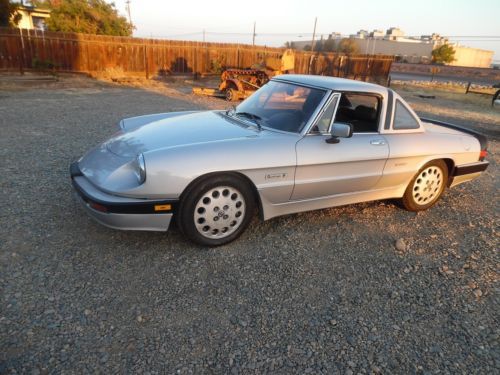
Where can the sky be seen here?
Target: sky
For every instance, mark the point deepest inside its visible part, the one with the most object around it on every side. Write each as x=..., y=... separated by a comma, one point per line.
x=468, y=22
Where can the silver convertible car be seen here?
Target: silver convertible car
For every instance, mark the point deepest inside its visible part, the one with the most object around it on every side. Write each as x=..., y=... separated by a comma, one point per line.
x=299, y=143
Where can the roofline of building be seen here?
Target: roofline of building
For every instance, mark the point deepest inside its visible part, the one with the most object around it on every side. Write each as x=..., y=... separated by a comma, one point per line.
x=34, y=9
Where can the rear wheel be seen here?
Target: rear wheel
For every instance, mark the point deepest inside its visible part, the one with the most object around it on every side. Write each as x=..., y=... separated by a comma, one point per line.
x=230, y=94
x=426, y=187
x=217, y=210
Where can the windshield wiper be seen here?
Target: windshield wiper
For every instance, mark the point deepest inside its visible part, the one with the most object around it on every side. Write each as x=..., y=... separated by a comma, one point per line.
x=256, y=119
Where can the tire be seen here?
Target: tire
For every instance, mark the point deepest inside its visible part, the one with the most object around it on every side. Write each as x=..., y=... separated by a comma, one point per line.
x=216, y=210
x=496, y=97
x=426, y=187
x=230, y=94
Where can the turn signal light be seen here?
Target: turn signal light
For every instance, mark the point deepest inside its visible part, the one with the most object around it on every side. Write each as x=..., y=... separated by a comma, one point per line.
x=98, y=207
x=483, y=154
x=163, y=207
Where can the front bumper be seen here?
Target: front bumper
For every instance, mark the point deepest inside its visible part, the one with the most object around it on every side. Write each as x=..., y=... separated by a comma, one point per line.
x=120, y=212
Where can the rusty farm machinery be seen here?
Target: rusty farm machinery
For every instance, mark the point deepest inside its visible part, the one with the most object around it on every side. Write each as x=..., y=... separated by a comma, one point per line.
x=236, y=84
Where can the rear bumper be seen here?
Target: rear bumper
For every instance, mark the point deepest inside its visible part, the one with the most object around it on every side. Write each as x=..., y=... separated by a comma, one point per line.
x=120, y=212
x=466, y=172
x=464, y=169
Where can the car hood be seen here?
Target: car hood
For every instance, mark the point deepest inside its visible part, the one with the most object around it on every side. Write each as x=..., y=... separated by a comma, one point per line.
x=190, y=128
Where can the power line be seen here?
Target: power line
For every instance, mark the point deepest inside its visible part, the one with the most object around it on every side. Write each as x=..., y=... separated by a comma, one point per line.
x=476, y=40
x=181, y=35
x=298, y=34
x=472, y=36
x=304, y=36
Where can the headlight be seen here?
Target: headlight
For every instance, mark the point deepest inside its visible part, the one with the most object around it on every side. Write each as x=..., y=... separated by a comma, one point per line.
x=140, y=168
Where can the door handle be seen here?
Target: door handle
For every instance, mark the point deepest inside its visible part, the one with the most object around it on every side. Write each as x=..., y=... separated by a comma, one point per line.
x=377, y=142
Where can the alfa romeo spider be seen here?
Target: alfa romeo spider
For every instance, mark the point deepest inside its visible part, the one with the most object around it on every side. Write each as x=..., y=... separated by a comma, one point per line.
x=299, y=143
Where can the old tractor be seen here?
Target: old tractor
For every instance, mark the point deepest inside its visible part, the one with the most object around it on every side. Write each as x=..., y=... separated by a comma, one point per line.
x=239, y=84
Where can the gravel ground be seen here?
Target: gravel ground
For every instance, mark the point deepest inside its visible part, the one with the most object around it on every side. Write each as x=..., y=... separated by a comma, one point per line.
x=366, y=288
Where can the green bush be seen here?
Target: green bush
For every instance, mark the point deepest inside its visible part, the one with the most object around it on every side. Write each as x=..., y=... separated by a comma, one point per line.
x=45, y=66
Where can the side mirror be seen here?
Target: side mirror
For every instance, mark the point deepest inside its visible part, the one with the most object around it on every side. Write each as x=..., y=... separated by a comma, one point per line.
x=340, y=130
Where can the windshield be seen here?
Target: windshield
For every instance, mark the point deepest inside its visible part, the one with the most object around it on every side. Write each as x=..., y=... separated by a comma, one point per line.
x=282, y=106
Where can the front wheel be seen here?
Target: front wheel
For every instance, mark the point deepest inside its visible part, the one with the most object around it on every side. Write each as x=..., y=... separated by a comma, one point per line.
x=426, y=187
x=217, y=210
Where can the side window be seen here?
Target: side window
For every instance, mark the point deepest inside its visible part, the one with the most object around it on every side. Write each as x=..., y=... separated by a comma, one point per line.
x=323, y=123
x=359, y=110
x=403, y=119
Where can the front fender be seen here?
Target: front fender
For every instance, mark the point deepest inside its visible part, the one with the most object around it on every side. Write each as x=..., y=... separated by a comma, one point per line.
x=169, y=171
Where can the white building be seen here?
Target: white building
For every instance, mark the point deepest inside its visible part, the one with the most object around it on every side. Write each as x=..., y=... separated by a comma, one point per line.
x=409, y=48
x=377, y=34
x=394, y=33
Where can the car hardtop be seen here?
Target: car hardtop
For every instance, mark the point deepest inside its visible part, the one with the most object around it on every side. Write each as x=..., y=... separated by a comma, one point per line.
x=332, y=83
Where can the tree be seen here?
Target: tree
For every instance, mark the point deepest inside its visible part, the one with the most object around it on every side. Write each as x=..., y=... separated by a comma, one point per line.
x=329, y=45
x=347, y=45
x=307, y=47
x=318, y=47
x=85, y=16
x=8, y=13
x=444, y=54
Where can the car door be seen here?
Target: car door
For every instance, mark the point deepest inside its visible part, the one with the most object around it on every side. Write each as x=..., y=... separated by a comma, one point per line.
x=352, y=165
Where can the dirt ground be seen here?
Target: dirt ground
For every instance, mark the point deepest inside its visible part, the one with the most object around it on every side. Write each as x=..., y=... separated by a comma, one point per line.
x=367, y=288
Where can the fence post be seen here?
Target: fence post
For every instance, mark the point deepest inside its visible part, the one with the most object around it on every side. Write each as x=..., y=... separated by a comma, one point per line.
x=88, y=56
x=238, y=57
x=339, y=65
x=311, y=60
x=208, y=68
x=146, y=61
x=23, y=57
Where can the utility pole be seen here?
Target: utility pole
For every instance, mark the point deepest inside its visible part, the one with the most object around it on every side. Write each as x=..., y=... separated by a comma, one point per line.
x=253, y=38
x=314, y=34
x=128, y=11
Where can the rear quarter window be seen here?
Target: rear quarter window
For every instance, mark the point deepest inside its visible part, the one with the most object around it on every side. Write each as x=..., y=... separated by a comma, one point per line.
x=403, y=118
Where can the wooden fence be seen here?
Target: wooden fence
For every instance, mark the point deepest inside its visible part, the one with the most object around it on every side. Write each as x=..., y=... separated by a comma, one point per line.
x=70, y=52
